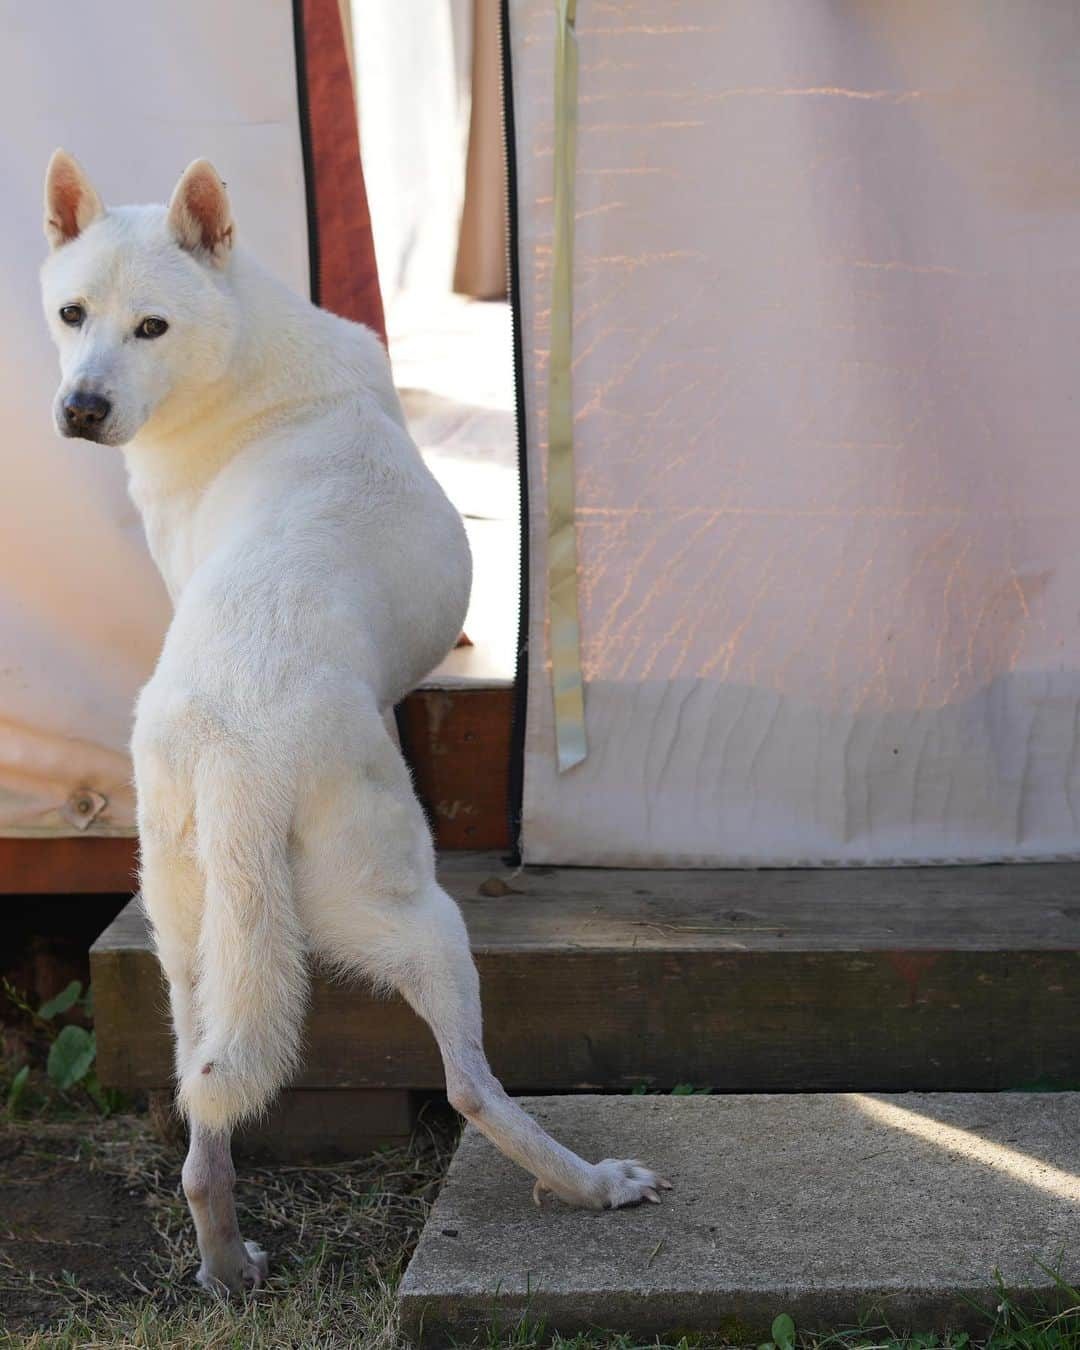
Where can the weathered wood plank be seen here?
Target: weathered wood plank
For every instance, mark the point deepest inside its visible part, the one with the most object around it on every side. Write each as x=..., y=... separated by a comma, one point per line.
x=317, y=1126
x=1033, y=907
x=457, y=742
x=69, y=866
x=873, y=980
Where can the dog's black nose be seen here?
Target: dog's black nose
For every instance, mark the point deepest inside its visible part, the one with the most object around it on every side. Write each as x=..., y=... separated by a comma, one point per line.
x=85, y=412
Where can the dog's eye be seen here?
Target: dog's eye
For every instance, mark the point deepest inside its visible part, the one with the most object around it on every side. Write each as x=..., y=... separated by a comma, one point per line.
x=73, y=315
x=151, y=327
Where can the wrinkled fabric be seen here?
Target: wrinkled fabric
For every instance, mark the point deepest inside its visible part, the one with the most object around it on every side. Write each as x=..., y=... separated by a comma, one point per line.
x=136, y=90
x=826, y=342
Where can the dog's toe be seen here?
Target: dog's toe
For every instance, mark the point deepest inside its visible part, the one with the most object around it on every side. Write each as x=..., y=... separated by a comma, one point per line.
x=238, y=1270
x=626, y=1181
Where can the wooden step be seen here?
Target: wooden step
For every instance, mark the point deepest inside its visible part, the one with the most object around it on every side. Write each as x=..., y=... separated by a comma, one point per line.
x=965, y=979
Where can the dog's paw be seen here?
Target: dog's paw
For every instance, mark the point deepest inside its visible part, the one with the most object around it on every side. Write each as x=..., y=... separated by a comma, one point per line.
x=239, y=1271
x=613, y=1183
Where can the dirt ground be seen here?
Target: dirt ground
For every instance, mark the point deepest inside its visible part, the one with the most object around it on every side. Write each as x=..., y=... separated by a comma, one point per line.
x=96, y=1247
x=64, y=1223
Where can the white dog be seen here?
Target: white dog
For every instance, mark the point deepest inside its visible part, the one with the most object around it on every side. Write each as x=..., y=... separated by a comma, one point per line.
x=317, y=573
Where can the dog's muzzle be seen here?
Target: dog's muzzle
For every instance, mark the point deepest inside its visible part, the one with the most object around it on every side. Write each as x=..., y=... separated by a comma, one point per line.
x=85, y=414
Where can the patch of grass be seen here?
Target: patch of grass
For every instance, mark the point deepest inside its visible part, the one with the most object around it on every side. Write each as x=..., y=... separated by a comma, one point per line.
x=339, y=1237
x=1008, y=1326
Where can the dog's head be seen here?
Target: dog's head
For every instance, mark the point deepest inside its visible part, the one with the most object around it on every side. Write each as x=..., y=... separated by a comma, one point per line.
x=137, y=299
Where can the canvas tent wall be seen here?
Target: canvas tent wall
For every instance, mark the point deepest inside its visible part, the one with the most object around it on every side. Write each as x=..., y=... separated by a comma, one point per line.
x=137, y=89
x=826, y=335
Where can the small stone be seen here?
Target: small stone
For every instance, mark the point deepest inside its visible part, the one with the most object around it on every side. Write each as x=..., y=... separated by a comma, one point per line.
x=496, y=887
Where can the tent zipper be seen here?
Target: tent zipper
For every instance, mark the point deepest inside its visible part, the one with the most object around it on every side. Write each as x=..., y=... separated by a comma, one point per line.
x=310, y=199
x=516, y=779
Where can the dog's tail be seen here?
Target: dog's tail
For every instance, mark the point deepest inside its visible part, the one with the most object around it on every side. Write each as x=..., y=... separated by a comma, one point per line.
x=251, y=976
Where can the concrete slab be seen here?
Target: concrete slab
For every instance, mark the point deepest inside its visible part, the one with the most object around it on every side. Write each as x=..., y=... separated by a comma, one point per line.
x=835, y=1208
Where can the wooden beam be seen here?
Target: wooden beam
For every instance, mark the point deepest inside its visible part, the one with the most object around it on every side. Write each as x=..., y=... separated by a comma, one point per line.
x=319, y=1126
x=68, y=866
x=457, y=743
x=882, y=979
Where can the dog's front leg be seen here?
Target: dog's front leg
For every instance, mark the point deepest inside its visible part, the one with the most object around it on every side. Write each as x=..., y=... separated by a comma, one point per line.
x=229, y=1264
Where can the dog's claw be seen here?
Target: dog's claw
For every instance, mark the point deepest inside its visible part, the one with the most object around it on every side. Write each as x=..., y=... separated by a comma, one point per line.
x=539, y=1191
x=664, y=1184
x=651, y=1196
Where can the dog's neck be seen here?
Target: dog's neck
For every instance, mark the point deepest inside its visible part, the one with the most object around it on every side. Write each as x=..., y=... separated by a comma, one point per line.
x=288, y=359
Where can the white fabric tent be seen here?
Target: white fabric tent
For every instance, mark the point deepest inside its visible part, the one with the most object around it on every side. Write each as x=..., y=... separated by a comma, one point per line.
x=825, y=335
x=136, y=89
x=826, y=352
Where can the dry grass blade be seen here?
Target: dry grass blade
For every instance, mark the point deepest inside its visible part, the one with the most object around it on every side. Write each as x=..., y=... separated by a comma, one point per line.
x=339, y=1237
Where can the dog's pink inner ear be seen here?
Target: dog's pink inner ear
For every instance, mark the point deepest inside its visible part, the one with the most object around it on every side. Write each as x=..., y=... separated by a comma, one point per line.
x=199, y=213
x=71, y=204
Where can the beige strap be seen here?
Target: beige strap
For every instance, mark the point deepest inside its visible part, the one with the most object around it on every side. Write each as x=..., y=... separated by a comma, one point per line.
x=570, y=739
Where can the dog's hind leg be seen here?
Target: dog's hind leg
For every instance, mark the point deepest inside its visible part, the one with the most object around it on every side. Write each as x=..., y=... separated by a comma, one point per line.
x=417, y=943
x=229, y=1264
x=436, y=974
x=366, y=888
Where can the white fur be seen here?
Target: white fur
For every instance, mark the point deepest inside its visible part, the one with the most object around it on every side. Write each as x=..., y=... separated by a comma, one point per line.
x=317, y=572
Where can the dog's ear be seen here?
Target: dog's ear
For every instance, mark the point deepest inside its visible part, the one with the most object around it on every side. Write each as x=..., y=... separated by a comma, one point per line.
x=71, y=204
x=199, y=213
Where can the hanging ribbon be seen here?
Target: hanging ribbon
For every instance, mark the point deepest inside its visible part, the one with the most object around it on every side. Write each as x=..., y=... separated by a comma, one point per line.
x=570, y=739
